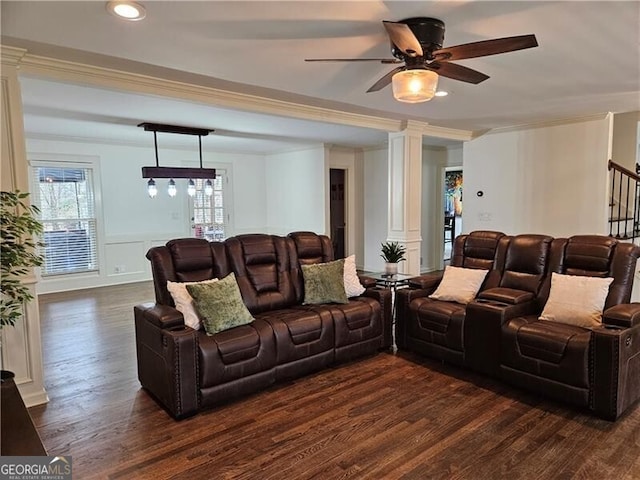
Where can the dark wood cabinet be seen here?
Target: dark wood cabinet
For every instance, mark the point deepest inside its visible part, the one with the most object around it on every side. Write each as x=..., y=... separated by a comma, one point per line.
x=18, y=435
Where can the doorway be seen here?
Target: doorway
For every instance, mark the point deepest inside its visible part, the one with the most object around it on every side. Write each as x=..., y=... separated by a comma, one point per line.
x=337, y=210
x=453, y=183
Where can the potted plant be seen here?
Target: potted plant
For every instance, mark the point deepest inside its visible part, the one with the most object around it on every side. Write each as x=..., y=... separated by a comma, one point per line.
x=18, y=254
x=392, y=253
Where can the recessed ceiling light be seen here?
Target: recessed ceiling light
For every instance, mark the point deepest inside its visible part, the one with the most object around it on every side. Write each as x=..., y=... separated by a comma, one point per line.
x=441, y=93
x=131, y=11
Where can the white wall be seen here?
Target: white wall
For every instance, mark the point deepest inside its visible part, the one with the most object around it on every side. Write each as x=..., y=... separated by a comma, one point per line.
x=296, y=186
x=131, y=222
x=551, y=180
x=433, y=163
x=625, y=139
x=376, y=206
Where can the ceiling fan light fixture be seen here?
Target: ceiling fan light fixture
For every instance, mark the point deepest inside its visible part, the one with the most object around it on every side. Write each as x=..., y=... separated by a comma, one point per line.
x=414, y=86
x=126, y=10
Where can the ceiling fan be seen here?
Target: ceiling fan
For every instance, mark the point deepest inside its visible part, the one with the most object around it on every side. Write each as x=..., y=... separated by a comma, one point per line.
x=417, y=43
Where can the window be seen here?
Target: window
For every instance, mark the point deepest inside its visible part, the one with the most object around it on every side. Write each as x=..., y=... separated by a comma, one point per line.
x=208, y=211
x=65, y=196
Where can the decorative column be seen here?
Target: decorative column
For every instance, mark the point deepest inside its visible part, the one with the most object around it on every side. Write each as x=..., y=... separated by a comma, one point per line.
x=21, y=344
x=405, y=186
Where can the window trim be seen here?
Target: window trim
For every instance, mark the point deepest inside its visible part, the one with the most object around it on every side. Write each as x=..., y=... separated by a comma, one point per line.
x=91, y=162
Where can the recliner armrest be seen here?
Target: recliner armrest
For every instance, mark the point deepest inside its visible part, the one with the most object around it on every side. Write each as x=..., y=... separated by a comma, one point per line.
x=625, y=315
x=367, y=282
x=167, y=358
x=426, y=282
x=162, y=316
x=383, y=295
x=505, y=295
x=615, y=369
x=482, y=331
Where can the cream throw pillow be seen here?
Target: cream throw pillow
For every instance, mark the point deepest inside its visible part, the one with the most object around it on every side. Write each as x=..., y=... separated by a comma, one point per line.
x=460, y=285
x=576, y=300
x=352, y=284
x=184, y=302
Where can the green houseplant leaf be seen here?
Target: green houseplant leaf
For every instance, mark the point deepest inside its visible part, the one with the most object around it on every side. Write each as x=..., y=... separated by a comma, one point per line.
x=393, y=252
x=18, y=252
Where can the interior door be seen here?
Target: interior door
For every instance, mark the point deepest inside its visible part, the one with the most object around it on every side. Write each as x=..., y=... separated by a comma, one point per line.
x=337, y=210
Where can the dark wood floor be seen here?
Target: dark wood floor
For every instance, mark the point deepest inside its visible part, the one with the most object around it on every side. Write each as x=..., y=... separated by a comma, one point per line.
x=390, y=416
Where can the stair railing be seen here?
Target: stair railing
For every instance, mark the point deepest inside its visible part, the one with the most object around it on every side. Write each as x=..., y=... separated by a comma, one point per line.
x=624, y=203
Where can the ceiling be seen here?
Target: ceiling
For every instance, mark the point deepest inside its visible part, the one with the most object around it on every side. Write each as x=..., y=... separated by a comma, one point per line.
x=588, y=62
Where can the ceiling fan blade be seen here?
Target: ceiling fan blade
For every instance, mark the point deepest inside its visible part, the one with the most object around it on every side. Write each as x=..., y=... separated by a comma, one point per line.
x=386, y=80
x=381, y=60
x=486, y=47
x=457, y=72
x=403, y=38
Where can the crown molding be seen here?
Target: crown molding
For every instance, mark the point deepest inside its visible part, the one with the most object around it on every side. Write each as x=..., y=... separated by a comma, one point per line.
x=75, y=72
x=11, y=55
x=51, y=137
x=551, y=123
x=448, y=133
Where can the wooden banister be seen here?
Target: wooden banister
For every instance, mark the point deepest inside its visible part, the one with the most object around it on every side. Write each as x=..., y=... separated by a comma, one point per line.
x=624, y=213
x=615, y=166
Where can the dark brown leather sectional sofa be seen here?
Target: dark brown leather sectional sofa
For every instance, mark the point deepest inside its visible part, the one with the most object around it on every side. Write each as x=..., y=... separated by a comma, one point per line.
x=187, y=370
x=499, y=332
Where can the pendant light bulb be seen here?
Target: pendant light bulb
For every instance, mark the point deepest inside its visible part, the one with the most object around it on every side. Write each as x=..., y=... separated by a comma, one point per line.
x=208, y=188
x=171, y=189
x=191, y=188
x=152, y=190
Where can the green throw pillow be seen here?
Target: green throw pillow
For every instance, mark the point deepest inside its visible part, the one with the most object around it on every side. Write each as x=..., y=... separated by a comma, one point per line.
x=220, y=304
x=324, y=283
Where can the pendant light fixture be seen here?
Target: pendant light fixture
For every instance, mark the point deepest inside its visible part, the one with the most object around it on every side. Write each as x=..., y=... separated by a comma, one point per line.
x=171, y=173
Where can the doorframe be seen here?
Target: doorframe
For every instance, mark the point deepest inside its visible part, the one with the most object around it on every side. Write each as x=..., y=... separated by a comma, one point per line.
x=349, y=167
x=440, y=213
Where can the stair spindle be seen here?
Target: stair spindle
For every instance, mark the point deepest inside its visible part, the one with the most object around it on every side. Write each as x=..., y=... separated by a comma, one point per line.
x=619, y=203
x=611, y=204
x=626, y=210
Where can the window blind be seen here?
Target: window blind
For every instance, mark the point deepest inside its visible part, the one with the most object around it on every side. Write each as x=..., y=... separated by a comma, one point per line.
x=65, y=196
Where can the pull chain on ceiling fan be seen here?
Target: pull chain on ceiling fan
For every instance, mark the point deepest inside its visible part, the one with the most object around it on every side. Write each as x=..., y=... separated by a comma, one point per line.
x=417, y=43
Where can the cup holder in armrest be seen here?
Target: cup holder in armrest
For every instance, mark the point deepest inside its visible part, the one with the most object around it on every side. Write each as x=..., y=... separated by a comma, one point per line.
x=613, y=327
x=487, y=301
x=178, y=328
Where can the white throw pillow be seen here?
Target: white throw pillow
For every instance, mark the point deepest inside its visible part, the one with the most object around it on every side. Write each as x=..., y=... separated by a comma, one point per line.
x=184, y=302
x=576, y=300
x=352, y=284
x=460, y=285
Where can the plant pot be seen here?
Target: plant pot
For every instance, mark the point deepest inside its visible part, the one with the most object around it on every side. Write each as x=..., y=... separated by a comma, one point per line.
x=390, y=268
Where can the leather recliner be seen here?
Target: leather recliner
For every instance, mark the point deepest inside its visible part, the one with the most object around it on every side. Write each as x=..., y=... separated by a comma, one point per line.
x=187, y=370
x=518, y=292
x=596, y=368
x=434, y=327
